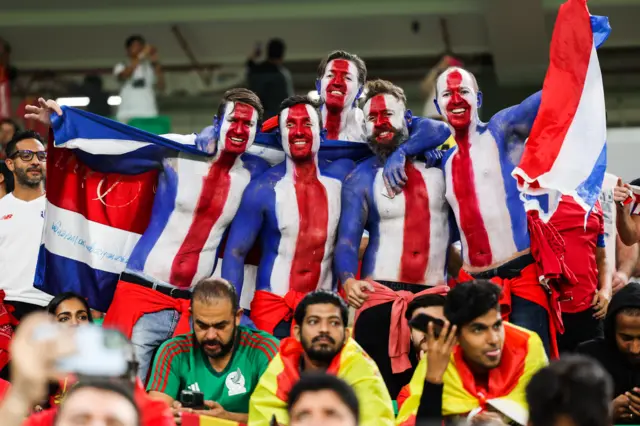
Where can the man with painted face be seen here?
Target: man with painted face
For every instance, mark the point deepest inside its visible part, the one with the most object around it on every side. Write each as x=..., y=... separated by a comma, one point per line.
x=485, y=200
x=195, y=201
x=294, y=207
x=341, y=77
x=408, y=237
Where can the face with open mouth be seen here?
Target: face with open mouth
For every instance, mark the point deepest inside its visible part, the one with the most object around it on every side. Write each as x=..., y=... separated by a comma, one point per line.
x=339, y=84
x=300, y=130
x=458, y=97
x=238, y=128
x=384, y=116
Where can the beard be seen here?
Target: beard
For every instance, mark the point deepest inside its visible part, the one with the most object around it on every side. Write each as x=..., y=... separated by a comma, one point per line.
x=384, y=150
x=223, y=348
x=23, y=178
x=323, y=353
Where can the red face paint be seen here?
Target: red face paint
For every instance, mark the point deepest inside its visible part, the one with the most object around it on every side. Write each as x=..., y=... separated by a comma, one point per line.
x=462, y=117
x=382, y=128
x=237, y=134
x=335, y=102
x=417, y=216
x=300, y=129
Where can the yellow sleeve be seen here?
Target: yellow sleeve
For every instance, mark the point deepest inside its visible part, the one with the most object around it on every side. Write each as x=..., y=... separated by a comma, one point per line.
x=264, y=403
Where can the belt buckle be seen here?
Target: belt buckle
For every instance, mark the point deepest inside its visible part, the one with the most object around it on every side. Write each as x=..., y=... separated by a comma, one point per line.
x=171, y=291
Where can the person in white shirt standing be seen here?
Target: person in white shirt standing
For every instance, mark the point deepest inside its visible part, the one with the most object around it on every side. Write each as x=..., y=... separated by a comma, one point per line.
x=21, y=222
x=140, y=76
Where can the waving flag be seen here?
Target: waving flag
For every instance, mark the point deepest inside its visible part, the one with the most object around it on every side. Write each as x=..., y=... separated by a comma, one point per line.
x=566, y=151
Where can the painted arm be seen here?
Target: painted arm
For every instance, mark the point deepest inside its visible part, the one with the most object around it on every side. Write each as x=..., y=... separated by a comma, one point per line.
x=245, y=229
x=518, y=119
x=352, y=221
x=424, y=135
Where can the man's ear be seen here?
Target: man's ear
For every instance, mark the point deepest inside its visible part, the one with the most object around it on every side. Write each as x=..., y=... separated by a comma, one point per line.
x=296, y=332
x=216, y=127
x=10, y=165
x=479, y=99
x=408, y=117
x=360, y=90
x=239, y=316
x=318, y=86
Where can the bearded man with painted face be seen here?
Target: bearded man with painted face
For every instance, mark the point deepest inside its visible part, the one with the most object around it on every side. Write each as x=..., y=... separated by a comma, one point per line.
x=294, y=207
x=195, y=200
x=408, y=237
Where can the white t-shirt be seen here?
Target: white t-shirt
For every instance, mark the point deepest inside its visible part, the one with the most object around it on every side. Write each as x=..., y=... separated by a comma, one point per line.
x=21, y=225
x=137, y=93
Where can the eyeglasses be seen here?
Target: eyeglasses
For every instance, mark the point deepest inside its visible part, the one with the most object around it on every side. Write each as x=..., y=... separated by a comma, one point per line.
x=27, y=155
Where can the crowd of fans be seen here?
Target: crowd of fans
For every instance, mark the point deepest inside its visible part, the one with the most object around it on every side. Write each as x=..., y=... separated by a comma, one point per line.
x=465, y=363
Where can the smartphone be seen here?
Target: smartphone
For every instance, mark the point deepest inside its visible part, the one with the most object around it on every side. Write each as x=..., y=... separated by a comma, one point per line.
x=421, y=323
x=192, y=399
x=99, y=352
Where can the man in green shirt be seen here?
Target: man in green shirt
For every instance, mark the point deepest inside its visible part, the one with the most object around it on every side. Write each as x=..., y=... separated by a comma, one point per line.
x=220, y=358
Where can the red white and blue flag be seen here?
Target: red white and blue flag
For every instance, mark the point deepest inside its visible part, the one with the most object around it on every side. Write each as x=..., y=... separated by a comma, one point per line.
x=566, y=152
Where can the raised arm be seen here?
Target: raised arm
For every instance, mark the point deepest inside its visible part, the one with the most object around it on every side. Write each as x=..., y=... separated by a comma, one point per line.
x=352, y=221
x=244, y=231
x=424, y=135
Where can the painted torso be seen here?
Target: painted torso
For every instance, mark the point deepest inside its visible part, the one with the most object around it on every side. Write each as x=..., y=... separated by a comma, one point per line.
x=346, y=126
x=408, y=234
x=484, y=197
x=195, y=201
x=299, y=229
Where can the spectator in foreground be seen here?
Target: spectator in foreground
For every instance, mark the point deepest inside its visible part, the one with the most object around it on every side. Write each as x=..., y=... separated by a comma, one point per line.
x=321, y=344
x=482, y=375
x=586, y=257
x=21, y=222
x=140, y=76
x=221, y=358
x=573, y=391
x=270, y=80
x=322, y=399
x=619, y=352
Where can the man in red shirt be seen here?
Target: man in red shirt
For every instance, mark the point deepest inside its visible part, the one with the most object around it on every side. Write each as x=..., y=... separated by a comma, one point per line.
x=584, y=305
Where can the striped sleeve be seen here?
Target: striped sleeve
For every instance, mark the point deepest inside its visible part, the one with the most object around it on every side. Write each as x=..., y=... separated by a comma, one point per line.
x=165, y=373
x=263, y=345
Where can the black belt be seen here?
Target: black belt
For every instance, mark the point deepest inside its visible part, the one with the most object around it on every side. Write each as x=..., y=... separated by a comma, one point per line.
x=176, y=293
x=398, y=286
x=511, y=269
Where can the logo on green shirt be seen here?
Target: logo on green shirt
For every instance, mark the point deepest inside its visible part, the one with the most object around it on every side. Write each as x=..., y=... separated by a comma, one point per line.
x=235, y=383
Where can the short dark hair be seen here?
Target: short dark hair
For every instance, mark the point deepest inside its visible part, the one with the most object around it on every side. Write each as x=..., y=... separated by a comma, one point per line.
x=215, y=288
x=9, y=183
x=107, y=385
x=630, y=311
x=475, y=82
x=16, y=128
x=576, y=387
x=341, y=54
x=11, y=148
x=244, y=96
x=424, y=302
x=315, y=382
x=301, y=99
x=58, y=299
x=470, y=300
x=321, y=297
x=383, y=87
x=132, y=39
x=276, y=48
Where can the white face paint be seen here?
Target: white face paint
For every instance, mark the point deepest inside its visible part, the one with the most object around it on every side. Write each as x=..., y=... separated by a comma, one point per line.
x=458, y=97
x=238, y=128
x=300, y=130
x=384, y=117
x=339, y=85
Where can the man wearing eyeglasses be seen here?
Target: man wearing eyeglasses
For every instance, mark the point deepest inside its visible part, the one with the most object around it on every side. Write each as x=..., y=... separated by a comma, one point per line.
x=21, y=222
